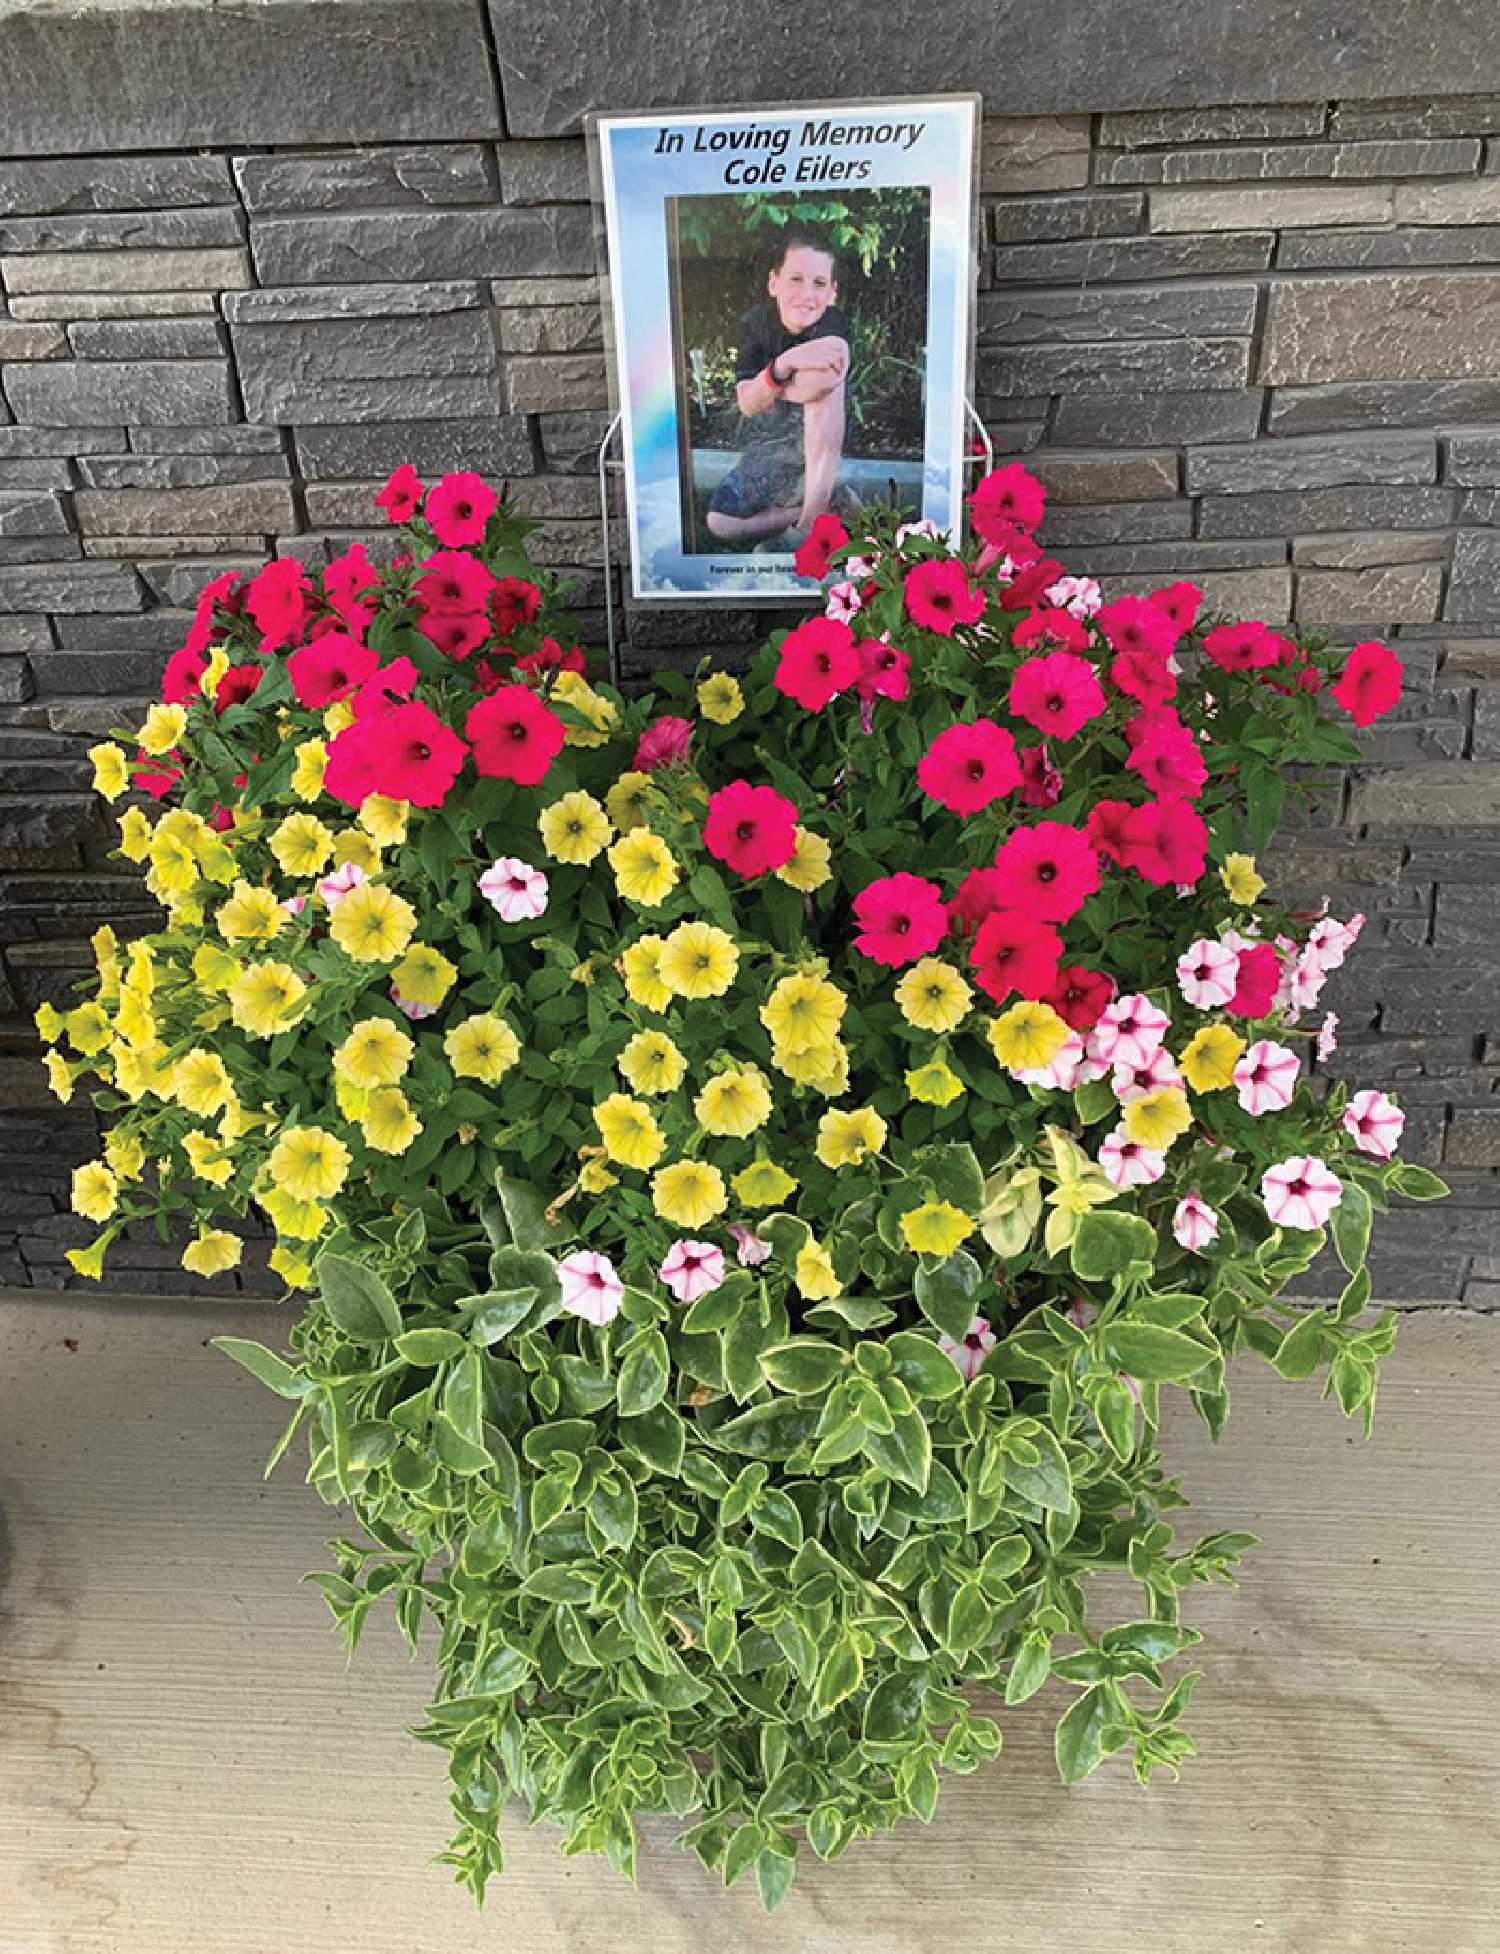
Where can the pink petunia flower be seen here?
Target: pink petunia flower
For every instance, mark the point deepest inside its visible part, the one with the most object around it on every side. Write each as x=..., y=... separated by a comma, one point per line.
x=1130, y=1031
x=1208, y=973
x=826, y=535
x=1135, y=1081
x=939, y=596
x=1265, y=1077
x=692, y=1269
x=1080, y=995
x=1331, y=941
x=1049, y=870
x=1300, y=1192
x=1058, y=694
x=515, y=890
x=1007, y=497
x=333, y=888
x=1135, y=627
x=970, y=1351
x=591, y=1286
x=1194, y=1222
x=844, y=601
x=969, y=765
x=901, y=918
x=1375, y=1123
x=459, y=508
x=924, y=526
x=515, y=736
x=1065, y=1071
x=1124, y=1163
x=1259, y=977
x=411, y=1007
x=664, y=743
x=1041, y=783
x=1328, y=1040
x=1080, y=595
x=750, y=1249
x=884, y=671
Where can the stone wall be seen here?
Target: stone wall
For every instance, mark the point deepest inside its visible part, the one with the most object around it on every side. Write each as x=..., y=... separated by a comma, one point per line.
x=1257, y=345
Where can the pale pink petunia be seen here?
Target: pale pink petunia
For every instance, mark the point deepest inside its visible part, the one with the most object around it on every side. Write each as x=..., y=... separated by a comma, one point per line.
x=410, y=1006
x=1065, y=1070
x=515, y=890
x=1125, y=1164
x=1266, y=1077
x=1331, y=941
x=1129, y=1031
x=1328, y=1037
x=1080, y=595
x=692, y=1269
x=591, y=1286
x=294, y=905
x=1300, y=1192
x=333, y=888
x=925, y=526
x=1135, y=1081
x=1194, y=1222
x=857, y=568
x=1375, y=1123
x=972, y=1349
x=843, y=601
x=1208, y=973
x=1303, y=982
x=750, y=1249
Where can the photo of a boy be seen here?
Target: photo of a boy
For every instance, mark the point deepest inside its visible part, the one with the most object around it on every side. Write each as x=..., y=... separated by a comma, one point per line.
x=791, y=369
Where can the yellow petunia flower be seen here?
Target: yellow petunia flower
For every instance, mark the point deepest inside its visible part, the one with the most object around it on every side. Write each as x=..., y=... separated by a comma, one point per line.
x=89, y=1029
x=389, y=1124
x=251, y=915
x=135, y=835
x=301, y=845
x=734, y=1104
x=630, y=1134
x=1210, y=1056
x=295, y=1270
x=111, y=773
x=574, y=828
x=59, y=1076
x=307, y=774
x=214, y=968
x=652, y=1063
x=572, y=689
x=845, y=1138
x=1027, y=1036
x=1158, y=1119
x=645, y=870
x=763, y=1184
x=308, y=1163
x=815, y=1274
x=934, y=1084
x=424, y=975
x=125, y=1154
x=1241, y=880
x=720, y=698
x=208, y=1159
x=641, y=968
x=349, y=845
x=213, y=671
x=267, y=997
x=200, y=1083
x=689, y=1193
x=810, y=864
x=803, y=1014
x=699, y=960
x=383, y=819
x=143, y=1068
x=95, y=1191
x=212, y=1252
x=933, y=996
x=162, y=728
x=372, y=924
x=482, y=1047
x=304, y=1221
x=337, y=718
x=825, y=1067
x=106, y=948
x=935, y=1228
x=375, y=1053
x=174, y=864
x=89, y=1261
x=628, y=801
x=49, y=1021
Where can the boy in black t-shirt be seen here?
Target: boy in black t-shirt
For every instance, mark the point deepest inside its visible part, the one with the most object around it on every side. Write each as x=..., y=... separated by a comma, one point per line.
x=793, y=360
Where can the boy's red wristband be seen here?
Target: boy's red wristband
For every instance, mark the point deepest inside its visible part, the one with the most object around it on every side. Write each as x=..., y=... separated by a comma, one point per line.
x=776, y=386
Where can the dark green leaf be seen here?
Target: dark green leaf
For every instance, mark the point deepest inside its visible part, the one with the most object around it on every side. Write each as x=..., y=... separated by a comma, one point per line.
x=804, y=1366
x=842, y=1673
x=496, y=1313
x=948, y=1295
x=614, y=1509
x=905, y=1452
x=1048, y=1482
x=770, y=1431
x=658, y=1437
x=1079, y=1738
x=525, y=1213
x=1107, y=1243
x=893, y=1710
x=924, y=1369
x=1301, y=1349
x=1418, y=1184
x=1350, y=1226
x=643, y=1374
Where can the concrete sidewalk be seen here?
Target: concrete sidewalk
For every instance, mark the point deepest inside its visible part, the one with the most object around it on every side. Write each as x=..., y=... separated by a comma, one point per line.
x=186, y=1763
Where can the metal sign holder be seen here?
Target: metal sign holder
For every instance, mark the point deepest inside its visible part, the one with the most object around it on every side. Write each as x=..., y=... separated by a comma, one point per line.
x=984, y=450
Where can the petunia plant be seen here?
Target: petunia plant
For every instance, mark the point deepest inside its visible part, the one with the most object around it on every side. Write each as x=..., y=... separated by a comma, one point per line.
x=754, y=1155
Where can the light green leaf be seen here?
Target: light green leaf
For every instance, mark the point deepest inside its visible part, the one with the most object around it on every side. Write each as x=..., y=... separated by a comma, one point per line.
x=428, y=1348
x=924, y=1369
x=1106, y=1243
x=643, y=1374
x=1301, y=1349
x=1079, y=1737
x=1350, y=1227
x=524, y=1207
x=805, y=1366
x=273, y=1371
x=948, y=1295
x=842, y=1673
x=358, y=1300
x=1145, y=1351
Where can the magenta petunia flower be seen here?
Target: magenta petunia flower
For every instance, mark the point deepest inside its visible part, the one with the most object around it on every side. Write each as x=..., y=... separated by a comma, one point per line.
x=752, y=829
x=939, y=596
x=1015, y=952
x=402, y=495
x=1370, y=683
x=901, y=918
x=1058, y=694
x=969, y=765
x=515, y=736
x=664, y=743
x=818, y=660
x=1049, y=870
x=459, y=508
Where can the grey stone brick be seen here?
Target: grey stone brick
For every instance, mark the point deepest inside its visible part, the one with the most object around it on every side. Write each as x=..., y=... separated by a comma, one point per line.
x=1114, y=260
x=42, y=474
x=1293, y=511
x=71, y=588
x=145, y=339
x=125, y=271
x=1473, y=459
x=1166, y=562
x=1487, y=723
x=1473, y=658
x=1457, y=116
x=293, y=304
x=1479, y=506
x=92, y=392
x=1280, y=207
x=16, y=687
x=1117, y=477
x=1476, y=202
x=1426, y=326
x=547, y=172
x=550, y=381
x=570, y=441
x=1140, y=128
x=112, y=183
x=39, y=549
x=509, y=294
x=1460, y=795
x=1383, y=403
x=359, y=247
x=178, y=471
x=1264, y=594
x=495, y=445
x=1117, y=522
x=1370, y=550
x=551, y=329
x=1246, y=162
x=1132, y=365
x=1103, y=213
x=31, y=342
x=1384, y=594
x=1134, y=312
x=1311, y=464
x=417, y=174
x=20, y=634
x=360, y=369
x=118, y=230
x=133, y=548
x=1149, y=420
x=236, y=440
x=32, y=515
x=67, y=674
x=1467, y=914
x=1478, y=244
x=116, y=305
x=343, y=505
x=1033, y=152
x=44, y=830
x=1473, y=1137
x=1474, y=589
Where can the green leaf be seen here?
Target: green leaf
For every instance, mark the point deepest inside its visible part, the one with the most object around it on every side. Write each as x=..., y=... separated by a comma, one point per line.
x=573, y=1435
x=1094, y=1101
x=524, y=1207
x=358, y=1300
x=1301, y=1349
x=1105, y=1244
x=774, y=1872
x=643, y=1374
x=1417, y=1184
x=496, y=1313
x=456, y=1452
x=528, y=1268
x=905, y=1452
x=1049, y=1482
x=1167, y=1312
x=273, y=1371
x=954, y=1173
x=560, y=1582
x=770, y=1431
x=893, y=1709
x=922, y=1367
x=948, y=1295
x=463, y=1398
x=842, y=1673
x=774, y=1513
x=1146, y=1351
x=1079, y=1740
x=501, y=1673
x=1350, y=1226
x=805, y=1366
x=426, y=1349
x=615, y=1510
x=1030, y=1668
x=657, y=1436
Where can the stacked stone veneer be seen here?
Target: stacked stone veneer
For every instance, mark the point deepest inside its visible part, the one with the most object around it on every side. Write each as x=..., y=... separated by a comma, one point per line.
x=1259, y=347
